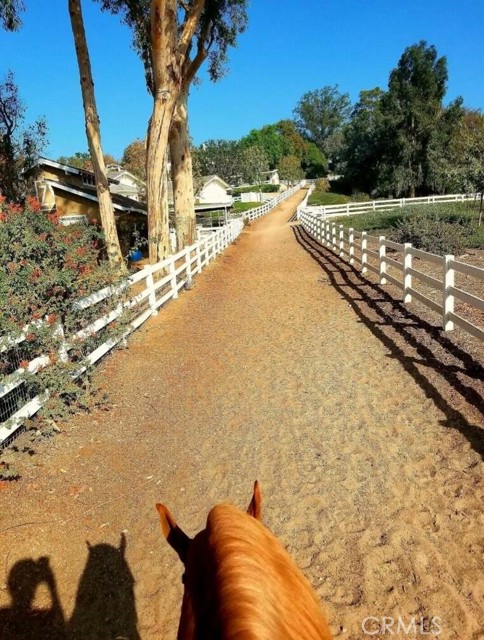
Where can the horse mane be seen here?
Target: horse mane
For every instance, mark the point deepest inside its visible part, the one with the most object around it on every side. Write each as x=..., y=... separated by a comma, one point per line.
x=261, y=593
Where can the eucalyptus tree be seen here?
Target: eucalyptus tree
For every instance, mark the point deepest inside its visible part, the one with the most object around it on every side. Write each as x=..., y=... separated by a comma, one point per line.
x=10, y=12
x=93, y=133
x=20, y=145
x=173, y=39
x=320, y=116
x=412, y=107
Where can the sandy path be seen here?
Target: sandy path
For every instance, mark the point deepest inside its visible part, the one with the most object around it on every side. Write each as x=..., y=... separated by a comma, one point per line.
x=280, y=367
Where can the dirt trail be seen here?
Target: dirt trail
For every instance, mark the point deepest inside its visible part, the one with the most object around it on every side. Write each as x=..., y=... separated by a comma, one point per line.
x=281, y=365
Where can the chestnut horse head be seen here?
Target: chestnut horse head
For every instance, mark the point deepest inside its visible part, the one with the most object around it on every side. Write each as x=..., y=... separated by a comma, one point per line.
x=240, y=582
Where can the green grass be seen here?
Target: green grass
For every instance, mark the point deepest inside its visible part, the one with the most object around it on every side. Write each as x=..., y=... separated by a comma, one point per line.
x=240, y=207
x=325, y=198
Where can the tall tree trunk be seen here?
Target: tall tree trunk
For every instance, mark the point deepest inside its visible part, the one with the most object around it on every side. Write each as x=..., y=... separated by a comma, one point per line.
x=182, y=176
x=94, y=135
x=156, y=169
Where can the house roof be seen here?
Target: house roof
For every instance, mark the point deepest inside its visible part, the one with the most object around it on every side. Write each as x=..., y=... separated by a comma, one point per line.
x=68, y=169
x=207, y=179
x=117, y=173
x=120, y=203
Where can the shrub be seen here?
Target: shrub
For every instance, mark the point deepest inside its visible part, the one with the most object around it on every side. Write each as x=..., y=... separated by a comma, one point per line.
x=265, y=188
x=322, y=184
x=425, y=230
x=47, y=267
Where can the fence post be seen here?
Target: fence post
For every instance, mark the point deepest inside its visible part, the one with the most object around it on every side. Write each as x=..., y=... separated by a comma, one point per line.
x=188, y=266
x=62, y=350
x=333, y=236
x=321, y=230
x=351, y=241
x=364, y=254
x=407, y=276
x=172, y=270
x=150, y=285
x=449, y=281
x=383, y=259
x=341, y=240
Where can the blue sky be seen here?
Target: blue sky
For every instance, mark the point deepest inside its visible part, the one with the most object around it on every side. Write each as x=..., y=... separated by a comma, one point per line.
x=289, y=48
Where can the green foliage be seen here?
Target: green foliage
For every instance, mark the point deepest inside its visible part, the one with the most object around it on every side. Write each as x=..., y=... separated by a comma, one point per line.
x=48, y=267
x=269, y=140
x=290, y=169
x=313, y=161
x=134, y=158
x=221, y=158
x=426, y=230
x=10, y=11
x=321, y=114
x=19, y=146
x=441, y=228
x=265, y=188
x=412, y=108
x=254, y=164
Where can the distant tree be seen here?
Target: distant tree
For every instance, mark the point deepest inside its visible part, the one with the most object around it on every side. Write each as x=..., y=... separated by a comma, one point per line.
x=293, y=142
x=290, y=169
x=221, y=158
x=93, y=133
x=80, y=159
x=254, y=165
x=314, y=162
x=363, y=142
x=20, y=146
x=134, y=158
x=445, y=153
x=321, y=114
x=412, y=108
x=270, y=140
x=10, y=11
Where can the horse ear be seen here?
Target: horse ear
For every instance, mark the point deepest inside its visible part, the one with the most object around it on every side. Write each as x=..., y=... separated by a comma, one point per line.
x=176, y=538
x=254, y=508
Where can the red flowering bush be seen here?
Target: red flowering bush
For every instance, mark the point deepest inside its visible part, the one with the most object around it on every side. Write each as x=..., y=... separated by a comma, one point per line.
x=45, y=268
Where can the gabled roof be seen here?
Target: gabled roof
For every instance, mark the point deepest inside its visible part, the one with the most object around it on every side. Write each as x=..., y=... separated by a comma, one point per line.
x=120, y=203
x=68, y=169
x=117, y=173
x=207, y=179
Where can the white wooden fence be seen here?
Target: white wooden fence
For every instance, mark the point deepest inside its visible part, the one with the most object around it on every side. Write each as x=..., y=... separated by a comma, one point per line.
x=370, y=253
x=353, y=208
x=147, y=291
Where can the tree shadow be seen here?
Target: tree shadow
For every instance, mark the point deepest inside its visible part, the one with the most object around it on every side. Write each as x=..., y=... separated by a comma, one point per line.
x=105, y=606
x=398, y=329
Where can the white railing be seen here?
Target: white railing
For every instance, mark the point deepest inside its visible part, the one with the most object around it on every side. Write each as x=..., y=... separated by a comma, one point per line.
x=146, y=292
x=353, y=208
x=252, y=214
x=371, y=255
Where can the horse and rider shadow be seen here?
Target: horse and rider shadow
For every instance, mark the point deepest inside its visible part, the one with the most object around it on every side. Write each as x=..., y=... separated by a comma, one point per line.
x=105, y=604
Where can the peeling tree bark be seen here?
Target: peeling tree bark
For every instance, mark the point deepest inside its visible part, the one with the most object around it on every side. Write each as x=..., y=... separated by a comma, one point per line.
x=169, y=51
x=182, y=176
x=94, y=135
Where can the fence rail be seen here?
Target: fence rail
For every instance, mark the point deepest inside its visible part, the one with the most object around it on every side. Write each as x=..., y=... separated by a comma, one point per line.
x=353, y=208
x=370, y=253
x=146, y=292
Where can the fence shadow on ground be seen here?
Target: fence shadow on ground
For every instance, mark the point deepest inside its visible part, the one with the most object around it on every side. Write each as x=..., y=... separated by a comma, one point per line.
x=105, y=602
x=413, y=341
